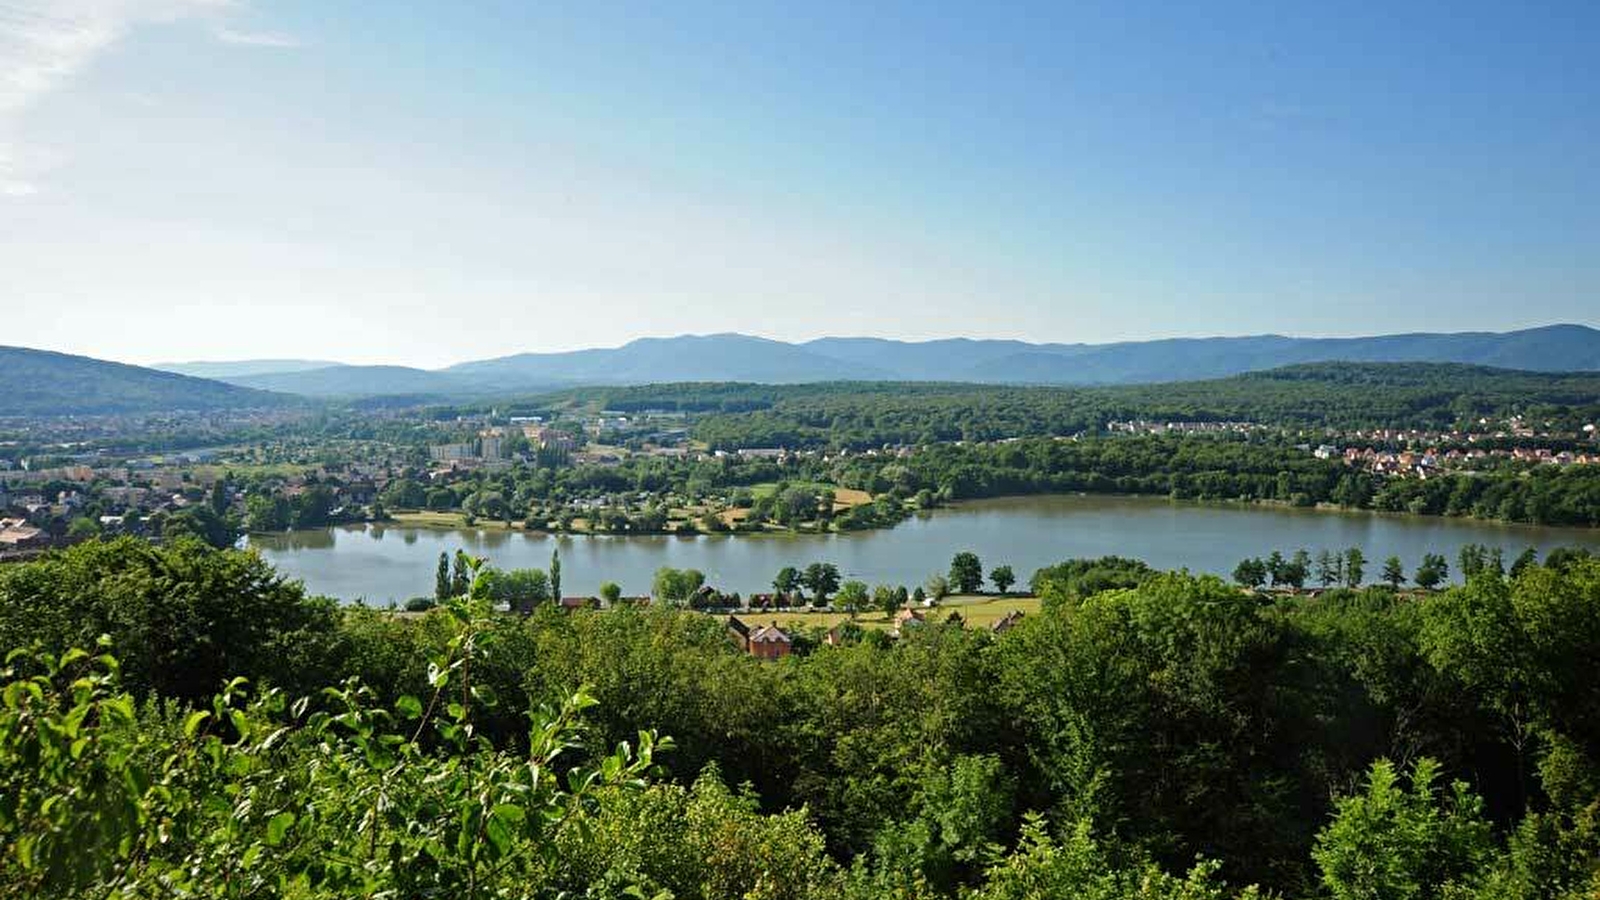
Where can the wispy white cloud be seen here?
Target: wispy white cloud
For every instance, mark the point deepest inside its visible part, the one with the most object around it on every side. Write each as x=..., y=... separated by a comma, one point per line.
x=41, y=46
x=44, y=43
x=257, y=38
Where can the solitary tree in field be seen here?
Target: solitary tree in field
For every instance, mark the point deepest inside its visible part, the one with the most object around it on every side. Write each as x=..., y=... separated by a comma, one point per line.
x=1003, y=578
x=966, y=572
x=1393, y=572
x=938, y=587
x=852, y=597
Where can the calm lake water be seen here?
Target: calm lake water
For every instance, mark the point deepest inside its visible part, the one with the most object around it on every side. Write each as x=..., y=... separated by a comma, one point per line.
x=381, y=564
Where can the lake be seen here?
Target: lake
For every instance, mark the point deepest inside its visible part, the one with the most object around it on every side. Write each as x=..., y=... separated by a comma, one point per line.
x=383, y=563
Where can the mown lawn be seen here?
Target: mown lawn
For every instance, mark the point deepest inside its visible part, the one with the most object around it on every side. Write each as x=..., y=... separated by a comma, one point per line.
x=843, y=497
x=433, y=519
x=980, y=611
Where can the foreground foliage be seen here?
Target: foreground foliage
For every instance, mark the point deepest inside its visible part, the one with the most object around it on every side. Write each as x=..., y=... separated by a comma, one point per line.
x=1147, y=735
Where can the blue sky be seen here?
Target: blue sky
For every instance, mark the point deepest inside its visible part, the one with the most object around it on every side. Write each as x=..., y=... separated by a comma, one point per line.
x=426, y=183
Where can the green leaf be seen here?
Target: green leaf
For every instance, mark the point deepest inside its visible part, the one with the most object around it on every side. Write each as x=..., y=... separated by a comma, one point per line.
x=499, y=835
x=408, y=707
x=510, y=813
x=278, y=827
x=192, y=723
x=118, y=710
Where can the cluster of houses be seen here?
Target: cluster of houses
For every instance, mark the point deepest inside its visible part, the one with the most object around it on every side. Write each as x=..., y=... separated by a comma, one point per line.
x=1486, y=432
x=1423, y=463
x=126, y=496
x=1143, y=426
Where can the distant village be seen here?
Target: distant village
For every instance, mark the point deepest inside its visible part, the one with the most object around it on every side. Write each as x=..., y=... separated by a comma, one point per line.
x=79, y=480
x=1416, y=453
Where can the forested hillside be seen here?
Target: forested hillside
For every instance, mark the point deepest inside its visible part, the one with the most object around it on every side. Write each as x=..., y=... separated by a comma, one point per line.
x=1340, y=395
x=41, y=383
x=1166, y=738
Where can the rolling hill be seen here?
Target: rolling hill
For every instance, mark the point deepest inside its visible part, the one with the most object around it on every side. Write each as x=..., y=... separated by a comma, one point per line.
x=44, y=383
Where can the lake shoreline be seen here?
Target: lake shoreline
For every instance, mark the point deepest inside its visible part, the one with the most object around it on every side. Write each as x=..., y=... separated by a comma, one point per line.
x=382, y=562
x=435, y=521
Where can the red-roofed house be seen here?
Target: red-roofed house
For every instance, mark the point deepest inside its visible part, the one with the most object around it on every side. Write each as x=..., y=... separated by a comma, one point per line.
x=770, y=642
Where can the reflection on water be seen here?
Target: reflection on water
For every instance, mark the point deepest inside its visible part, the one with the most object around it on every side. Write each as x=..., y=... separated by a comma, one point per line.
x=312, y=539
x=382, y=563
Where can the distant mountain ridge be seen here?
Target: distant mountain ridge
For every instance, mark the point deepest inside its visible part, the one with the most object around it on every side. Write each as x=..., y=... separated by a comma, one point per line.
x=44, y=383
x=244, y=367
x=358, y=381
x=714, y=357
x=711, y=357
x=37, y=382
x=737, y=357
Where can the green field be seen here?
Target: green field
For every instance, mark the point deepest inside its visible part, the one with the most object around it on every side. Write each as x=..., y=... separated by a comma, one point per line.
x=980, y=611
x=843, y=497
x=432, y=519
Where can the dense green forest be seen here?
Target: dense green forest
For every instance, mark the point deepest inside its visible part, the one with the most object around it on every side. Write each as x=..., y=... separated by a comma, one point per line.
x=1147, y=735
x=1337, y=395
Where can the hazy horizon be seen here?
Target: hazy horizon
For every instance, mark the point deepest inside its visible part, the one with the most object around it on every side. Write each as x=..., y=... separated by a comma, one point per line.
x=801, y=341
x=220, y=180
